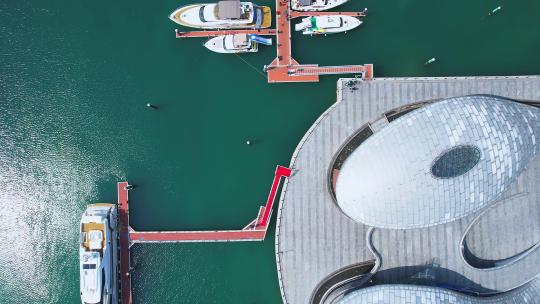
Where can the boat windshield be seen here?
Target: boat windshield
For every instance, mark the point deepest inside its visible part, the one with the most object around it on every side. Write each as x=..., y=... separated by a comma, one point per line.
x=313, y=21
x=201, y=14
x=305, y=2
x=89, y=266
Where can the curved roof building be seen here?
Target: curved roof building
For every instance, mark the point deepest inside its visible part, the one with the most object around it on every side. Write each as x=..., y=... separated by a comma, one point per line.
x=438, y=163
x=416, y=191
x=392, y=294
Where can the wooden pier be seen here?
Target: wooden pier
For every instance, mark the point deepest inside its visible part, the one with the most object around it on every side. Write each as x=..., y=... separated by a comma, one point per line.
x=285, y=68
x=262, y=32
x=254, y=231
x=123, y=230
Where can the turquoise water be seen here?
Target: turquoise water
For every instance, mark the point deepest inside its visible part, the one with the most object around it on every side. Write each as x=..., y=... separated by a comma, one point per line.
x=75, y=77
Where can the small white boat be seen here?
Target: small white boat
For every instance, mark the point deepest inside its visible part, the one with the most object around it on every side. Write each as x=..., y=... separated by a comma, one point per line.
x=229, y=44
x=322, y=25
x=230, y=14
x=97, y=253
x=236, y=43
x=315, y=5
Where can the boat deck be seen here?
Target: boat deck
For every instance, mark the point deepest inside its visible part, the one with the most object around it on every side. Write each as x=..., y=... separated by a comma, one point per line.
x=87, y=227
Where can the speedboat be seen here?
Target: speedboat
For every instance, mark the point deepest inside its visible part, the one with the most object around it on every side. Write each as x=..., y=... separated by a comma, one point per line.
x=319, y=25
x=315, y=5
x=236, y=43
x=230, y=14
x=97, y=253
x=228, y=44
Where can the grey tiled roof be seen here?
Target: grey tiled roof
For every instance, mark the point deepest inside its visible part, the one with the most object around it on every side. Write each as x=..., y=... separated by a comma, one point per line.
x=410, y=294
x=387, y=181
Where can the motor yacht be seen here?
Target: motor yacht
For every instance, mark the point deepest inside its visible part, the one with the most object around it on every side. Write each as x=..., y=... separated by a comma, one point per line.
x=323, y=25
x=97, y=252
x=230, y=14
x=236, y=43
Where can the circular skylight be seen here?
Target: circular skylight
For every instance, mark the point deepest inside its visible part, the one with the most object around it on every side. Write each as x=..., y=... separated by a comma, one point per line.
x=456, y=161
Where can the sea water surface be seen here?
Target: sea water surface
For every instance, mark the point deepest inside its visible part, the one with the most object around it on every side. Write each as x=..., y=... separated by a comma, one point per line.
x=75, y=78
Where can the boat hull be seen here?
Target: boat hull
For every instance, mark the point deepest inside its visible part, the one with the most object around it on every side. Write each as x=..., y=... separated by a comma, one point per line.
x=332, y=24
x=98, y=254
x=317, y=6
x=190, y=16
x=218, y=45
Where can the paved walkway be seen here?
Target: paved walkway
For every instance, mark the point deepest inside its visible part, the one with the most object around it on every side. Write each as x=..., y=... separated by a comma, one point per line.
x=313, y=237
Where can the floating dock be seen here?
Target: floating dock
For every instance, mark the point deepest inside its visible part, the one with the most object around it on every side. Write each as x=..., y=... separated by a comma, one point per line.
x=254, y=231
x=262, y=32
x=123, y=229
x=285, y=68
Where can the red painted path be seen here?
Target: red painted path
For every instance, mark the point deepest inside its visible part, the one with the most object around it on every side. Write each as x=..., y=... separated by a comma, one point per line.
x=285, y=68
x=123, y=217
x=262, y=32
x=254, y=231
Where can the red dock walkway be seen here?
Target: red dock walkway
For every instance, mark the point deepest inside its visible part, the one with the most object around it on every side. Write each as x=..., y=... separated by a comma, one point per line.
x=123, y=230
x=262, y=32
x=311, y=70
x=297, y=14
x=285, y=68
x=254, y=231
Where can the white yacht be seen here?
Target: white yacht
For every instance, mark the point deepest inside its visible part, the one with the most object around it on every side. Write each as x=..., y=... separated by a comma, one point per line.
x=98, y=254
x=315, y=5
x=229, y=44
x=236, y=43
x=229, y=14
x=323, y=25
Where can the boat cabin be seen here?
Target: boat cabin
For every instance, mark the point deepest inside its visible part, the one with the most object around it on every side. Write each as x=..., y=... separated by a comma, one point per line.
x=93, y=236
x=240, y=40
x=236, y=42
x=232, y=10
x=329, y=22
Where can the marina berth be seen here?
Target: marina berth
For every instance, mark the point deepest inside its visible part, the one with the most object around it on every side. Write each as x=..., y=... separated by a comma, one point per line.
x=284, y=68
x=315, y=5
x=331, y=24
x=97, y=253
x=223, y=15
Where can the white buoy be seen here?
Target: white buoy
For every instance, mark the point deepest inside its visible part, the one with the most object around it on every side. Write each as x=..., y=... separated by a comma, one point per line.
x=430, y=61
x=248, y=142
x=498, y=8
